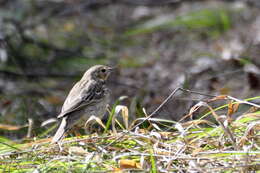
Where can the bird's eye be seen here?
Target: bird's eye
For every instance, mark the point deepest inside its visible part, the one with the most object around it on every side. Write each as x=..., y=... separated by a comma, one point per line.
x=103, y=70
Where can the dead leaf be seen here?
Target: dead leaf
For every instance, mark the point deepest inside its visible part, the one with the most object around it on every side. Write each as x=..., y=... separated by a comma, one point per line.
x=196, y=151
x=94, y=118
x=77, y=151
x=197, y=122
x=165, y=135
x=232, y=108
x=117, y=170
x=123, y=111
x=192, y=110
x=128, y=164
x=220, y=97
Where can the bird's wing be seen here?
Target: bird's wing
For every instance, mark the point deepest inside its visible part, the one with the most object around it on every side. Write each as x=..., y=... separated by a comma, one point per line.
x=82, y=95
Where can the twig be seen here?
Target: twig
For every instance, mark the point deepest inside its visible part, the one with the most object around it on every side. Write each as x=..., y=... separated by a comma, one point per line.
x=158, y=108
x=243, y=101
x=167, y=99
x=196, y=92
x=225, y=128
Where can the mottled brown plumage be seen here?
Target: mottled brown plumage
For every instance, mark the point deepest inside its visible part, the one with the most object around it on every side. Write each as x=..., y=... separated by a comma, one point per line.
x=88, y=97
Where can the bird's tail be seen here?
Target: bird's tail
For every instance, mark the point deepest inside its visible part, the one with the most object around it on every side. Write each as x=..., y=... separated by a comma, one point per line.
x=61, y=130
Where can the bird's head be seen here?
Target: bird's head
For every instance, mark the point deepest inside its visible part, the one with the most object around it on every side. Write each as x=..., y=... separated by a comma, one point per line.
x=98, y=72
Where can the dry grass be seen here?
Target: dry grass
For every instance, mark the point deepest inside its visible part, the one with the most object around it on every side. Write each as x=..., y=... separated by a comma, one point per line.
x=213, y=143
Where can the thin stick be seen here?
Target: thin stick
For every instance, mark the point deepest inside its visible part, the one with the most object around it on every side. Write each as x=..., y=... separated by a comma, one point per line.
x=158, y=108
x=196, y=92
x=243, y=101
x=167, y=99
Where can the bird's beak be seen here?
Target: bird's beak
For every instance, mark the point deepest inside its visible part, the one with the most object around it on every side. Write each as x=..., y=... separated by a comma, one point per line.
x=110, y=69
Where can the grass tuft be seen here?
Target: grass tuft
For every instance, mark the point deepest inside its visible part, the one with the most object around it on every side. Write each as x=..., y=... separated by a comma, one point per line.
x=222, y=143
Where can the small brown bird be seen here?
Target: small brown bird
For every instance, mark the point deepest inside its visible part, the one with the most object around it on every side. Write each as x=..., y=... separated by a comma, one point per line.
x=88, y=97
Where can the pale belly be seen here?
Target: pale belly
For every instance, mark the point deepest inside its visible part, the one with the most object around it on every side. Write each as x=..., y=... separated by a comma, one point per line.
x=97, y=110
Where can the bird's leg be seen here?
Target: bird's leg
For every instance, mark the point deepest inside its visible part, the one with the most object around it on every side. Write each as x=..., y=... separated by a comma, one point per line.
x=60, y=146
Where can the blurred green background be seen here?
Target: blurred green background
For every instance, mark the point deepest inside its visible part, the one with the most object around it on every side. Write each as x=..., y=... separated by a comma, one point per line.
x=210, y=46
